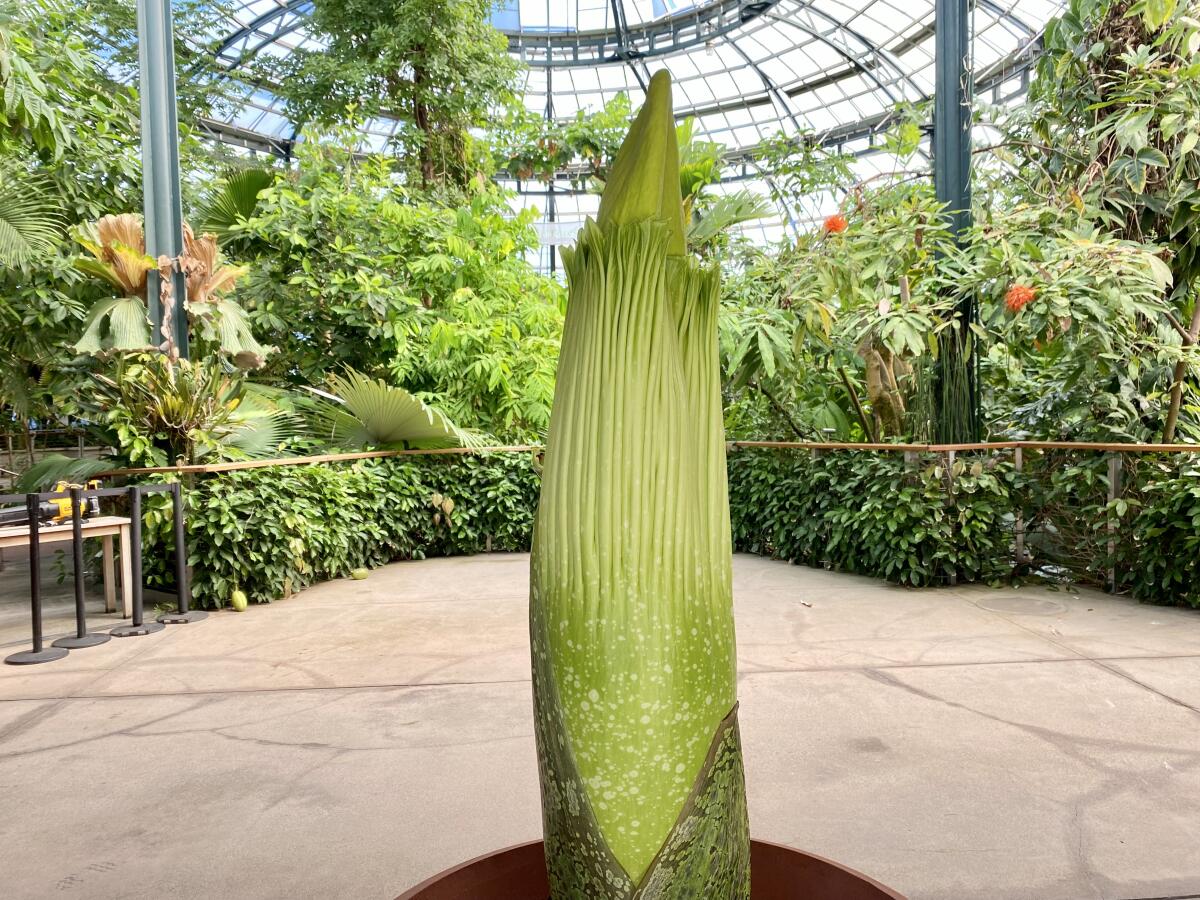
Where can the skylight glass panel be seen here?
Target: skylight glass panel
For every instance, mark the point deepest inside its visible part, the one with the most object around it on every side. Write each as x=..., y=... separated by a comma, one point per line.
x=837, y=67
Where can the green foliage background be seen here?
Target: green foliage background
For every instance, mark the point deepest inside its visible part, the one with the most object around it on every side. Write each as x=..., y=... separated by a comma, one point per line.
x=271, y=532
x=875, y=514
x=409, y=265
x=922, y=522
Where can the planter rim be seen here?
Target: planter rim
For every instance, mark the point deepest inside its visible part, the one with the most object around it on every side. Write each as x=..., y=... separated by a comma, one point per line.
x=414, y=892
x=834, y=863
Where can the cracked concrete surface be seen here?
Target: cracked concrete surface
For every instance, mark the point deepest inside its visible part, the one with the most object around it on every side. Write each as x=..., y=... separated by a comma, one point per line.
x=348, y=742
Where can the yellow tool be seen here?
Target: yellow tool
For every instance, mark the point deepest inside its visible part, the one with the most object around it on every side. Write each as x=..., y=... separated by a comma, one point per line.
x=56, y=510
x=88, y=506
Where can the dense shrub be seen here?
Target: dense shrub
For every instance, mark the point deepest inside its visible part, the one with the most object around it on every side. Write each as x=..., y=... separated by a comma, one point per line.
x=1166, y=540
x=1063, y=497
x=875, y=514
x=272, y=531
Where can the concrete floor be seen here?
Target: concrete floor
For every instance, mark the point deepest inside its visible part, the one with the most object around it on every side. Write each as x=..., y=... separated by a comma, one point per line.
x=345, y=743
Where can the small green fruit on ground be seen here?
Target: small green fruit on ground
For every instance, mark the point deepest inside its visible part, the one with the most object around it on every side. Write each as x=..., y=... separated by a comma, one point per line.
x=359, y=574
x=238, y=600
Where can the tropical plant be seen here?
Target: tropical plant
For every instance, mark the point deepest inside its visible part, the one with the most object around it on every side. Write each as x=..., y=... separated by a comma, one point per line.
x=32, y=79
x=1112, y=132
x=367, y=413
x=50, y=470
x=216, y=318
x=860, y=300
x=711, y=219
x=161, y=412
x=232, y=203
x=924, y=522
x=356, y=270
x=437, y=65
x=631, y=615
x=707, y=219
x=117, y=245
x=272, y=531
x=527, y=145
x=1075, y=341
x=30, y=217
x=109, y=28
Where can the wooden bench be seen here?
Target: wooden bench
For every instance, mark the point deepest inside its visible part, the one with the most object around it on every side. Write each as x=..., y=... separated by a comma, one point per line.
x=103, y=527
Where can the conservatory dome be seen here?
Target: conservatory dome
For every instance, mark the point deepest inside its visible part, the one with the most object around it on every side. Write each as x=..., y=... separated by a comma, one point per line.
x=746, y=70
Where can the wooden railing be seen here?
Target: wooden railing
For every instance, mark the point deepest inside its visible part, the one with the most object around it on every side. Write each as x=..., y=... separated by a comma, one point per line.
x=991, y=445
x=213, y=468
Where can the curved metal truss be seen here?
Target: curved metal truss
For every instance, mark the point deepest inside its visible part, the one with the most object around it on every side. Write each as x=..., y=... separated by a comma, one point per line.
x=829, y=71
x=818, y=66
x=672, y=34
x=265, y=29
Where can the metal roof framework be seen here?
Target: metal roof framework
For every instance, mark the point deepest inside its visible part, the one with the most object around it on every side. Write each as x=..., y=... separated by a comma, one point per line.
x=833, y=71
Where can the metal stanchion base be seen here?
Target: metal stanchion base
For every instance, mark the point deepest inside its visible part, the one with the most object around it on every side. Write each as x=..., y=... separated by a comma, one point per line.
x=91, y=639
x=175, y=618
x=135, y=630
x=30, y=657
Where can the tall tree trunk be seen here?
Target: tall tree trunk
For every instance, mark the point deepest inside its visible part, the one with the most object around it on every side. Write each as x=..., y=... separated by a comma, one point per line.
x=1177, y=377
x=421, y=119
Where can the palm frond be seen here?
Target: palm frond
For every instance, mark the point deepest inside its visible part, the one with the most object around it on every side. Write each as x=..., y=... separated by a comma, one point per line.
x=50, y=470
x=30, y=218
x=725, y=212
x=233, y=201
x=367, y=412
x=264, y=426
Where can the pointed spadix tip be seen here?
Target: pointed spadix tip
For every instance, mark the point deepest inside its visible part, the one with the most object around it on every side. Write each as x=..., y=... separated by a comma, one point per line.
x=660, y=88
x=644, y=180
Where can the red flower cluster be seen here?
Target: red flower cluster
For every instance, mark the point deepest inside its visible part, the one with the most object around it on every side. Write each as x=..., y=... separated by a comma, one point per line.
x=836, y=224
x=1017, y=296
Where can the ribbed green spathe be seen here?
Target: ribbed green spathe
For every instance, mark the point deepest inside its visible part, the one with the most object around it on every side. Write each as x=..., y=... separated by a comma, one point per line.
x=631, y=602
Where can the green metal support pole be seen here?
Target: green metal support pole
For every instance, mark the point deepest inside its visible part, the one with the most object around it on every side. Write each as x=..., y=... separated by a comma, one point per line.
x=958, y=384
x=160, y=164
x=952, y=111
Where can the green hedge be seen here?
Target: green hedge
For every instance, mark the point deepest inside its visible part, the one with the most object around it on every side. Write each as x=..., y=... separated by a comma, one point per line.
x=1165, y=563
x=875, y=514
x=272, y=531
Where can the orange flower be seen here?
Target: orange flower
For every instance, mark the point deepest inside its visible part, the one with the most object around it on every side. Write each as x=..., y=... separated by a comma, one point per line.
x=1017, y=296
x=836, y=224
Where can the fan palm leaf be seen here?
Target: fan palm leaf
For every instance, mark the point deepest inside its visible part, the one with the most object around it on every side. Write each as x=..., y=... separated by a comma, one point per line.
x=264, y=423
x=725, y=212
x=30, y=218
x=234, y=201
x=118, y=323
x=50, y=470
x=367, y=412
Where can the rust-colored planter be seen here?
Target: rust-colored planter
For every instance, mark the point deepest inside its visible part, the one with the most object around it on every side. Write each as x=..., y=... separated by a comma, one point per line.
x=776, y=873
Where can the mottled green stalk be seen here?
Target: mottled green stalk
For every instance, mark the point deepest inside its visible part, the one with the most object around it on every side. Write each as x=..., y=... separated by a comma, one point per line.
x=631, y=604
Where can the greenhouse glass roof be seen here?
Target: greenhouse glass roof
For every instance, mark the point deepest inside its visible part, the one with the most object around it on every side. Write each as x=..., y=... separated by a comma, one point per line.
x=745, y=69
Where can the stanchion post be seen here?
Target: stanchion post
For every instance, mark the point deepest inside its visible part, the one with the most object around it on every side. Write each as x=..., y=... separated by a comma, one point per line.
x=1019, y=522
x=81, y=638
x=182, y=614
x=137, y=626
x=1114, y=491
x=38, y=654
